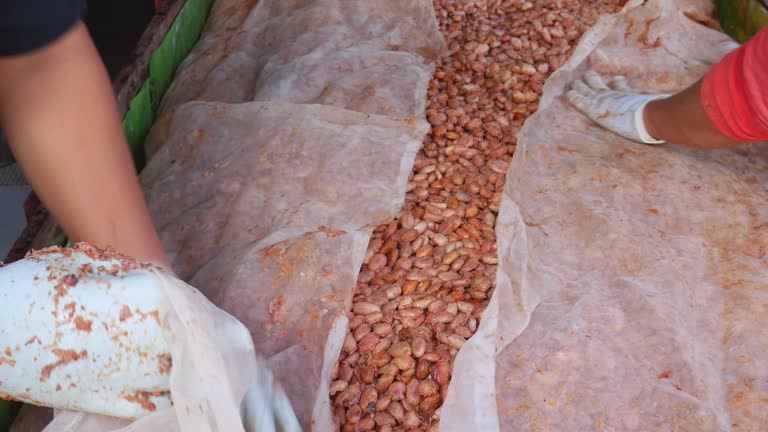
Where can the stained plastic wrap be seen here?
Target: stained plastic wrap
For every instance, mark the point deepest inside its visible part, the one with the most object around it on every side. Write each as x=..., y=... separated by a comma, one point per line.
x=287, y=136
x=74, y=325
x=115, y=325
x=365, y=56
x=632, y=283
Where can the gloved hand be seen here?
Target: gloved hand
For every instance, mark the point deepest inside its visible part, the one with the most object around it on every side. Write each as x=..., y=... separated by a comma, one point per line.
x=727, y=45
x=613, y=105
x=265, y=407
x=89, y=330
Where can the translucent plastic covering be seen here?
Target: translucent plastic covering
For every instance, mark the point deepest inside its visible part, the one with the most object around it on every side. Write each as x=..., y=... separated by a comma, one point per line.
x=632, y=281
x=102, y=332
x=272, y=219
x=367, y=56
x=287, y=136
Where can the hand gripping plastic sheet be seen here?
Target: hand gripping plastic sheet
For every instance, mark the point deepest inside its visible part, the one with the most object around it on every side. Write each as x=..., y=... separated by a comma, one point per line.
x=287, y=135
x=632, y=290
x=209, y=348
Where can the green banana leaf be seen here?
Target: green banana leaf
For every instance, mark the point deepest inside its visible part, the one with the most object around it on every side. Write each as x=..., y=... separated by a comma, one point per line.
x=741, y=19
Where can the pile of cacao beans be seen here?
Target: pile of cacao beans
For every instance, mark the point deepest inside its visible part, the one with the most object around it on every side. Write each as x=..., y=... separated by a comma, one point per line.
x=429, y=274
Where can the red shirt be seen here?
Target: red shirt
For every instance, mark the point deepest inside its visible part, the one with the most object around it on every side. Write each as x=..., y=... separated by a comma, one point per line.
x=735, y=91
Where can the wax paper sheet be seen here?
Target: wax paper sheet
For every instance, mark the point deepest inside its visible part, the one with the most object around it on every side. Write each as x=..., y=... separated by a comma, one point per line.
x=631, y=290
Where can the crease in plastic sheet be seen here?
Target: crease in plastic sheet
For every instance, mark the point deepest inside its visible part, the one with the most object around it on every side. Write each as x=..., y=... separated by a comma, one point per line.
x=287, y=135
x=641, y=269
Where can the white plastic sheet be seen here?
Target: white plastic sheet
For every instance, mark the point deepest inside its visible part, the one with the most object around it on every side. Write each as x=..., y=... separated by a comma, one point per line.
x=368, y=56
x=101, y=332
x=631, y=291
x=287, y=136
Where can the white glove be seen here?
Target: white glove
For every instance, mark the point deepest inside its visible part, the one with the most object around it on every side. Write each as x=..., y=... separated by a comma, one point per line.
x=614, y=106
x=727, y=45
x=265, y=407
x=86, y=330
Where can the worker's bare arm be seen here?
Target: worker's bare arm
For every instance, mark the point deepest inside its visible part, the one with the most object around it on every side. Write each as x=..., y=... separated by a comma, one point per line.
x=59, y=114
x=681, y=120
x=727, y=108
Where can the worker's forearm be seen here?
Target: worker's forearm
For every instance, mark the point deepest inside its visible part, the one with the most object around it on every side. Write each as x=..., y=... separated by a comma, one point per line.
x=681, y=120
x=728, y=107
x=58, y=111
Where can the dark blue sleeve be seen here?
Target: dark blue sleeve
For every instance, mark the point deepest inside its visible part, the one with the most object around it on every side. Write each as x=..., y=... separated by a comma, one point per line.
x=26, y=25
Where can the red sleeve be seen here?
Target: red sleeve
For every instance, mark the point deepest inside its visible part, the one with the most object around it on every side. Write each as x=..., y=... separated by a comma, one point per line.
x=735, y=91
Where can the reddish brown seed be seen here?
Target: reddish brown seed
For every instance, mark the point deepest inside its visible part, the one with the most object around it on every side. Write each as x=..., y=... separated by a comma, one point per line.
x=381, y=359
x=393, y=291
x=441, y=372
x=368, y=399
x=396, y=391
x=427, y=387
x=364, y=308
x=366, y=374
x=351, y=395
x=382, y=329
x=411, y=392
x=409, y=286
x=404, y=362
x=337, y=386
x=409, y=235
x=418, y=346
x=367, y=343
x=361, y=331
x=385, y=419
x=354, y=414
x=350, y=345
x=383, y=402
x=384, y=383
x=396, y=410
x=400, y=349
x=345, y=373
x=356, y=321
x=422, y=369
x=411, y=419
x=430, y=403
x=383, y=344
x=377, y=262
x=365, y=425
x=388, y=369
x=373, y=318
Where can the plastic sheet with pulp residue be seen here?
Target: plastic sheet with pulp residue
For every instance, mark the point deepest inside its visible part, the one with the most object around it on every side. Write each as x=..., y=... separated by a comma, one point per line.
x=631, y=289
x=287, y=135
